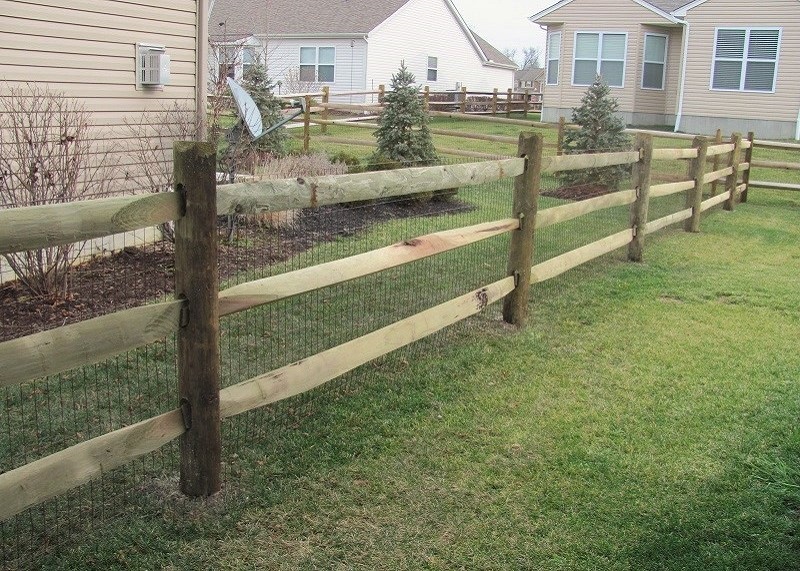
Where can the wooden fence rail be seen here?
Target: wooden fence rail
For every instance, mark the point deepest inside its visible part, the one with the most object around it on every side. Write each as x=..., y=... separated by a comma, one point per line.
x=50, y=352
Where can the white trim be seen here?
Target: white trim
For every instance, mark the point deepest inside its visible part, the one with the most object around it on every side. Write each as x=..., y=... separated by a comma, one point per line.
x=548, y=58
x=662, y=63
x=745, y=59
x=471, y=38
x=667, y=16
x=599, y=55
x=435, y=69
x=317, y=63
x=682, y=87
x=681, y=12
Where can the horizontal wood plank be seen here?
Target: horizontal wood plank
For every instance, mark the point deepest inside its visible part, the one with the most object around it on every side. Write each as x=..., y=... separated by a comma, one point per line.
x=314, y=371
x=565, y=262
x=716, y=175
x=33, y=227
x=666, y=189
x=663, y=222
x=53, y=475
x=498, y=120
x=287, y=194
x=674, y=154
x=776, y=165
x=719, y=149
x=713, y=201
x=578, y=162
x=557, y=214
x=775, y=185
x=58, y=350
x=267, y=290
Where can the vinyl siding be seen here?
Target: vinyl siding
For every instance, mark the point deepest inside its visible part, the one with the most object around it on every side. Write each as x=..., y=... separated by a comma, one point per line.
x=654, y=100
x=701, y=101
x=423, y=28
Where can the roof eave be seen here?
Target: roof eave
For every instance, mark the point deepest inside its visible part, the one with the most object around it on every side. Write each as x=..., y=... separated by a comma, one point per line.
x=538, y=18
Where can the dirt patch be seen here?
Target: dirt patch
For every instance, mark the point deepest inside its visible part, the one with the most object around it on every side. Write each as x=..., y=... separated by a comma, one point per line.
x=137, y=275
x=577, y=192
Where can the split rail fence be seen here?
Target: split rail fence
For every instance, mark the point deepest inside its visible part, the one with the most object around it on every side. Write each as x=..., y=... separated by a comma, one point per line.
x=200, y=403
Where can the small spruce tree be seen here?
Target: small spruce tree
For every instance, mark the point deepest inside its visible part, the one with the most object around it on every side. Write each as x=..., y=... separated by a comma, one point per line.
x=257, y=83
x=403, y=133
x=600, y=131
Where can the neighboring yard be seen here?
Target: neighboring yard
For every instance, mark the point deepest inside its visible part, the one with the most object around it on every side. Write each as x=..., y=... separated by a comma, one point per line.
x=647, y=419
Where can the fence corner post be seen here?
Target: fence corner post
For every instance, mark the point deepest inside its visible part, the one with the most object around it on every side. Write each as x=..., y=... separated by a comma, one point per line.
x=520, y=258
x=694, y=196
x=463, y=99
x=715, y=167
x=509, y=97
x=426, y=99
x=733, y=178
x=494, y=102
x=196, y=281
x=381, y=93
x=562, y=126
x=644, y=143
x=748, y=158
x=307, y=125
x=326, y=96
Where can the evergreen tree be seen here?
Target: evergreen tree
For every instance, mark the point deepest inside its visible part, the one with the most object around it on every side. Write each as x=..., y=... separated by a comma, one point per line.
x=403, y=133
x=601, y=131
x=257, y=83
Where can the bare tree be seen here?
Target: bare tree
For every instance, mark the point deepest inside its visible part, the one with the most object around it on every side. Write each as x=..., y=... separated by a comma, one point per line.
x=47, y=157
x=510, y=53
x=531, y=58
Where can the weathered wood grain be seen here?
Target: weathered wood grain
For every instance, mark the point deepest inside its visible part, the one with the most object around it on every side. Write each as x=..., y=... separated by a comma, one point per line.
x=560, y=264
x=733, y=177
x=663, y=222
x=577, y=162
x=674, y=154
x=776, y=165
x=87, y=342
x=714, y=200
x=287, y=194
x=640, y=207
x=267, y=290
x=558, y=214
x=34, y=227
x=53, y=475
x=314, y=371
x=697, y=173
x=724, y=148
x=716, y=175
x=666, y=189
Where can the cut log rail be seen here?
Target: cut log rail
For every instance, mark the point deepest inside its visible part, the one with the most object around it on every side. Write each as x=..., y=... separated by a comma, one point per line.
x=558, y=214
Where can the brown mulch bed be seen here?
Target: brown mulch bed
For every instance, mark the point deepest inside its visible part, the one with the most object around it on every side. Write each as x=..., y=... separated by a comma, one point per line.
x=138, y=275
x=577, y=192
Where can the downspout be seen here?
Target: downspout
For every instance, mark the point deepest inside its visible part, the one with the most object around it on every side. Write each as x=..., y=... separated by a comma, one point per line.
x=684, y=56
x=797, y=129
x=201, y=71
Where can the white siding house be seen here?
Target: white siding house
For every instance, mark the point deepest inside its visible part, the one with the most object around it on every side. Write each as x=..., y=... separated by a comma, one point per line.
x=357, y=45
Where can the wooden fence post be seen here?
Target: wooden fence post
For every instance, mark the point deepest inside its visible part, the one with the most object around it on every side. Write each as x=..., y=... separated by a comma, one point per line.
x=525, y=100
x=463, y=99
x=748, y=158
x=562, y=125
x=381, y=93
x=715, y=166
x=494, y=102
x=641, y=177
x=307, y=124
x=426, y=99
x=326, y=96
x=694, y=196
x=196, y=281
x=509, y=96
x=732, y=180
x=520, y=258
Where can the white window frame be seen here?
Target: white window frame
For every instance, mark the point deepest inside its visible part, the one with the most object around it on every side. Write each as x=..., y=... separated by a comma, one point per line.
x=556, y=59
x=317, y=63
x=254, y=50
x=599, y=59
x=662, y=63
x=434, y=69
x=745, y=59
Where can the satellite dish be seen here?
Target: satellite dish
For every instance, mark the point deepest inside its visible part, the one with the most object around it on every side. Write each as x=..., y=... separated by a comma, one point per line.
x=248, y=110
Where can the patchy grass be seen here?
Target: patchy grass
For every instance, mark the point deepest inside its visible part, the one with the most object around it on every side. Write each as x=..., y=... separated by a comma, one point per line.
x=646, y=420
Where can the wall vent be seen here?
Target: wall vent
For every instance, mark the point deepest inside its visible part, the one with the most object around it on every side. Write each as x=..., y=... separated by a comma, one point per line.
x=152, y=66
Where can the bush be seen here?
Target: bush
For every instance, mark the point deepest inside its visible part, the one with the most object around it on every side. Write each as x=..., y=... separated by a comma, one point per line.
x=47, y=157
x=352, y=162
x=600, y=131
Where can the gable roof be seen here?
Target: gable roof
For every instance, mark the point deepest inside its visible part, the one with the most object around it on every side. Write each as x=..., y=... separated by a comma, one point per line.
x=491, y=53
x=243, y=18
x=662, y=8
x=530, y=74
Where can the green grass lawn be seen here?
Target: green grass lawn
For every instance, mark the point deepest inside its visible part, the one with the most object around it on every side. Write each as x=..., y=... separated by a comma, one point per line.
x=647, y=419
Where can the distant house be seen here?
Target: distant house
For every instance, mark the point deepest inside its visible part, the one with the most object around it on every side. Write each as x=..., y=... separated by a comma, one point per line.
x=355, y=45
x=699, y=65
x=531, y=79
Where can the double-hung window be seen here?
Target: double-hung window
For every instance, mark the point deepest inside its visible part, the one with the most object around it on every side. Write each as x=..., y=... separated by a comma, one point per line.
x=600, y=53
x=655, y=61
x=249, y=59
x=553, y=57
x=317, y=64
x=433, y=68
x=746, y=59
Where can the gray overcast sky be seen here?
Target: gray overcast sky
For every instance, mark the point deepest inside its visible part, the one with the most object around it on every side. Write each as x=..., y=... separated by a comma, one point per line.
x=504, y=23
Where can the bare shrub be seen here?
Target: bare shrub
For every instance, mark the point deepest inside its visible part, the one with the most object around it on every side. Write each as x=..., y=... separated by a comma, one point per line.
x=47, y=157
x=293, y=84
x=294, y=166
x=150, y=139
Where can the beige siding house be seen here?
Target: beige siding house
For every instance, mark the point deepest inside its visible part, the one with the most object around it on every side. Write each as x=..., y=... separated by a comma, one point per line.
x=357, y=45
x=88, y=50
x=700, y=66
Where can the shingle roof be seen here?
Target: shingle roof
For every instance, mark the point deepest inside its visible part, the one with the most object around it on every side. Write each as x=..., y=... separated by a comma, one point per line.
x=491, y=52
x=246, y=17
x=668, y=5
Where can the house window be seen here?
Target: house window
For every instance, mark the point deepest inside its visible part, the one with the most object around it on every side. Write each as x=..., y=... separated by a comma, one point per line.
x=249, y=59
x=553, y=55
x=746, y=59
x=433, y=68
x=600, y=53
x=317, y=64
x=226, y=57
x=655, y=61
